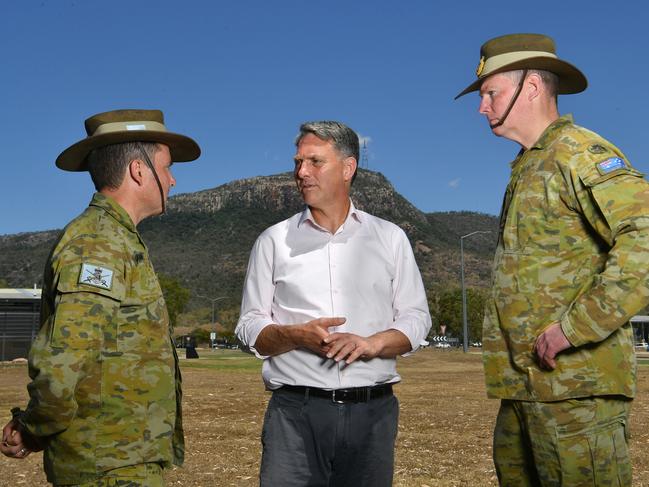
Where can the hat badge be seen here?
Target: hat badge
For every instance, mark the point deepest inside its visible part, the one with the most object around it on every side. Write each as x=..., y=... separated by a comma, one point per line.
x=480, y=67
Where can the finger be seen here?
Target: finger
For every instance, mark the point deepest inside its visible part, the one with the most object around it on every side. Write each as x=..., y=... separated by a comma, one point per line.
x=13, y=451
x=355, y=355
x=14, y=439
x=540, y=346
x=336, y=346
x=22, y=452
x=330, y=322
x=8, y=432
x=336, y=337
x=540, y=350
x=345, y=351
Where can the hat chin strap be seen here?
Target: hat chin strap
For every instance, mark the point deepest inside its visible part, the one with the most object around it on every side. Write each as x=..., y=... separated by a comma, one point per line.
x=155, y=175
x=519, y=88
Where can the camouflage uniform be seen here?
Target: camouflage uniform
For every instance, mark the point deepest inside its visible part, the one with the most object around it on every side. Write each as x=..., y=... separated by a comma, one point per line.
x=105, y=391
x=574, y=248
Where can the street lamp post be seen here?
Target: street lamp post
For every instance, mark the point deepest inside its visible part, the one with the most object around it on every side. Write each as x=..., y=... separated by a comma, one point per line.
x=213, y=300
x=465, y=327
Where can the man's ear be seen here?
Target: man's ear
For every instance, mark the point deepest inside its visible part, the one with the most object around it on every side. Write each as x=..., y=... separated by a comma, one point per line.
x=135, y=169
x=349, y=168
x=534, y=86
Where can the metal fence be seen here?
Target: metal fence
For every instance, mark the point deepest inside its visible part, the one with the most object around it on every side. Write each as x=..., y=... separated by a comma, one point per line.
x=19, y=321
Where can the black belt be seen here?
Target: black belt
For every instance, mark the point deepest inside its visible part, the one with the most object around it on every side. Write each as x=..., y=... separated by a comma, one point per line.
x=342, y=396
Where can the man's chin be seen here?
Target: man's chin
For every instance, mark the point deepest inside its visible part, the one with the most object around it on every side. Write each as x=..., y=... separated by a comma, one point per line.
x=496, y=130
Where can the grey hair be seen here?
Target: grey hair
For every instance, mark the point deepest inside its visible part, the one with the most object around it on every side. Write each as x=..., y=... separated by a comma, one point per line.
x=107, y=165
x=344, y=139
x=550, y=80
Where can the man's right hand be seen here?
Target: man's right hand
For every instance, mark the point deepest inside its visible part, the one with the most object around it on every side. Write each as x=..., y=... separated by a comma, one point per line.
x=277, y=339
x=12, y=442
x=311, y=334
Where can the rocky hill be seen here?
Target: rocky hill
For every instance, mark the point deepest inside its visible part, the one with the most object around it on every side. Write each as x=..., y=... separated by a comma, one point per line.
x=205, y=238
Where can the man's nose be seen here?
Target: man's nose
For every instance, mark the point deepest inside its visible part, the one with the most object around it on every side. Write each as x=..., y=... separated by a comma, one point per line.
x=483, y=107
x=302, y=169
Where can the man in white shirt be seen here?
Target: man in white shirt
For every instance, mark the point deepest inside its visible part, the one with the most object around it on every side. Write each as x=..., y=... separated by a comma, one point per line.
x=332, y=296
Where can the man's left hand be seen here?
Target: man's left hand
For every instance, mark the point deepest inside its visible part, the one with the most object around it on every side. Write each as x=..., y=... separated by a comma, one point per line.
x=549, y=344
x=350, y=347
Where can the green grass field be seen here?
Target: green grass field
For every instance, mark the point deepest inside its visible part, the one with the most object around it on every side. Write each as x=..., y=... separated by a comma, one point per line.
x=220, y=359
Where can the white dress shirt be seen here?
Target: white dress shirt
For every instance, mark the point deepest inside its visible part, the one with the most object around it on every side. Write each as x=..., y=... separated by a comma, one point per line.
x=365, y=272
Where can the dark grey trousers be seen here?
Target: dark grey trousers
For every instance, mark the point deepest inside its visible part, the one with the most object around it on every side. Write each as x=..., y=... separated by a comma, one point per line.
x=314, y=442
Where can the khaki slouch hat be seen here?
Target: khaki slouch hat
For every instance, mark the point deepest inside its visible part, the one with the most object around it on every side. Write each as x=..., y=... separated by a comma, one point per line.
x=119, y=126
x=526, y=51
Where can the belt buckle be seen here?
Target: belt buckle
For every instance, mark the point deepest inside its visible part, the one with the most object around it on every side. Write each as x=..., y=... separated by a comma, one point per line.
x=333, y=398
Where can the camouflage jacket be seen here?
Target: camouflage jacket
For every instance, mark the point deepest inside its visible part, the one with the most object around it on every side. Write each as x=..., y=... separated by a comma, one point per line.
x=105, y=389
x=574, y=248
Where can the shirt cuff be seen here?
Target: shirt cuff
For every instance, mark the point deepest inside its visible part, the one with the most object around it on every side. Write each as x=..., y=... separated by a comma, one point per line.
x=570, y=332
x=413, y=333
x=248, y=335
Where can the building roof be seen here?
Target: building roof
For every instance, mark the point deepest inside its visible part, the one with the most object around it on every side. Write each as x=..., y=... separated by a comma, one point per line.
x=8, y=293
x=640, y=319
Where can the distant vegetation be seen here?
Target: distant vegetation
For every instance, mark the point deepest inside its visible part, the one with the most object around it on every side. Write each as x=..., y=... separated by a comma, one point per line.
x=202, y=245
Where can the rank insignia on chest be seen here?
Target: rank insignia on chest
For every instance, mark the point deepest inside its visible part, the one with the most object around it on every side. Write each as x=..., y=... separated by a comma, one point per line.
x=96, y=276
x=610, y=165
x=597, y=149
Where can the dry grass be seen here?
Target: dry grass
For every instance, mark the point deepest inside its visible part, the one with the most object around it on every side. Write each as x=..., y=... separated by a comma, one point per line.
x=444, y=432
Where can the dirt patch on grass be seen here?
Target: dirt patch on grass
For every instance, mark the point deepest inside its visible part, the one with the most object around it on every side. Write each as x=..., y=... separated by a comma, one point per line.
x=444, y=432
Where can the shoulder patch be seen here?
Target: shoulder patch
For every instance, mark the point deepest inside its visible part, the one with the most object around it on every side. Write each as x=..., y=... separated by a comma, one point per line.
x=597, y=149
x=94, y=275
x=610, y=165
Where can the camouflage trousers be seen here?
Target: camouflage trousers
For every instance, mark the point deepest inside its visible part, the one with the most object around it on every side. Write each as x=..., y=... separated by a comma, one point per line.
x=142, y=475
x=571, y=443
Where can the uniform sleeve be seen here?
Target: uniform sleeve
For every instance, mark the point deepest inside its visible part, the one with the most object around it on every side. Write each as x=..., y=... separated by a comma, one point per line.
x=409, y=303
x=82, y=321
x=258, y=292
x=614, y=199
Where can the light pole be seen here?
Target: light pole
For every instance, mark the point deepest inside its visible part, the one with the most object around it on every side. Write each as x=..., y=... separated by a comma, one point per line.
x=214, y=300
x=465, y=327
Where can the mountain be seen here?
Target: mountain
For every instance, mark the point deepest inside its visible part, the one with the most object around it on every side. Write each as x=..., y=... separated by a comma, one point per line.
x=205, y=237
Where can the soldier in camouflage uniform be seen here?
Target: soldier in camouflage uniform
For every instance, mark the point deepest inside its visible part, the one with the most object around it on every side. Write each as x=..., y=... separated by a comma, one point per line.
x=571, y=268
x=105, y=391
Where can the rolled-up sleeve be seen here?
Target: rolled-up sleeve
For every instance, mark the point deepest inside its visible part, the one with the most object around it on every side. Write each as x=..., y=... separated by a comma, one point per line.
x=258, y=291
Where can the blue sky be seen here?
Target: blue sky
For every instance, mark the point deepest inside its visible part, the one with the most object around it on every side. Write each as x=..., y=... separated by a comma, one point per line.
x=240, y=76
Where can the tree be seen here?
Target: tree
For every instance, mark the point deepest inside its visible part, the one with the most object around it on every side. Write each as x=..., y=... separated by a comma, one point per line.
x=176, y=296
x=3, y=283
x=449, y=311
x=201, y=336
x=228, y=317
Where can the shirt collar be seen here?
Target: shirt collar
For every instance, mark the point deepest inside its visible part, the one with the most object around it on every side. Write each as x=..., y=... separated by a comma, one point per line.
x=307, y=216
x=110, y=206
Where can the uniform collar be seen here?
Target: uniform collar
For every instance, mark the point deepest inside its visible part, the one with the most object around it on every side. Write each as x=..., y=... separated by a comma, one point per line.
x=550, y=133
x=113, y=208
x=547, y=137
